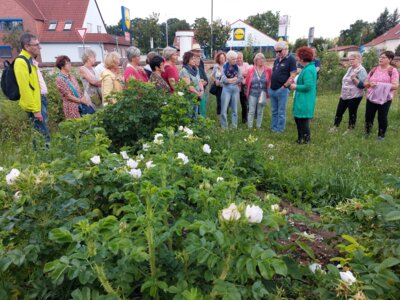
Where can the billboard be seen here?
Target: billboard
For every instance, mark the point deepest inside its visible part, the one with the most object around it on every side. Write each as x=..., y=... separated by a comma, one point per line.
x=126, y=19
x=239, y=34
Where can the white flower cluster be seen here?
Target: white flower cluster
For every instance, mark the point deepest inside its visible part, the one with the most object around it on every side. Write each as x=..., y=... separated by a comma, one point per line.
x=188, y=131
x=206, y=148
x=220, y=179
x=253, y=213
x=124, y=155
x=136, y=173
x=347, y=277
x=133, y=164
x=11, y=177
x=150, y=164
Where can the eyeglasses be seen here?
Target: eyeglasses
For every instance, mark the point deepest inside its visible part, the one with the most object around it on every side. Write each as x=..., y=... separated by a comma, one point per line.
x=279, y=51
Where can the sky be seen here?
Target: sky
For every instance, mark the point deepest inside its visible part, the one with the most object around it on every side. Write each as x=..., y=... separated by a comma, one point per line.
x=327, y=17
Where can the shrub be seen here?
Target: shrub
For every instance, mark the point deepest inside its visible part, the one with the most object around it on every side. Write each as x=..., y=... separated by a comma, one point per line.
x=370, y=59
x=332, y=72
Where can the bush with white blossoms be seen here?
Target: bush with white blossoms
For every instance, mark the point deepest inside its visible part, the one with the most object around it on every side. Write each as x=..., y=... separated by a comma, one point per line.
x=133, y=164
x=146, y=147
x=231, y=213
x=206, y=148
x=183, y=157
x=95, y=159
x=347, y=277
x=254, y=214
x=12, y=176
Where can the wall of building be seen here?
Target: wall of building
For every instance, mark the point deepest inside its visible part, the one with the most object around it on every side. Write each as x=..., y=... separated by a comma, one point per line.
x=49, y=52
x=93, y=17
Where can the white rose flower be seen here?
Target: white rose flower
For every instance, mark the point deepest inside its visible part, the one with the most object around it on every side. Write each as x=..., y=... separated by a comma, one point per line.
x=339, y=266
x=124, y=155
x=140, y=157
x=314, y=267
x=206, y=148
x=1, y=169
x=254, y=214
x=275, y=207
x=150, y=164
x=271, y=146
x=95, y=159
x=189, y=132
x=183, y=157
x=180, y=94
x=158, y=139
x=12, y=176
x=132, y=163
x=231, y=213
x=347, y=277
x=180, y=128
x=220, y=179
x=271, y=157
x=136, y=173
x=146, y=147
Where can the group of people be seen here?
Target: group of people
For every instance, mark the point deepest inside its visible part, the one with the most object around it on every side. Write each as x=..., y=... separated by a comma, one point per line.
x=232, y=81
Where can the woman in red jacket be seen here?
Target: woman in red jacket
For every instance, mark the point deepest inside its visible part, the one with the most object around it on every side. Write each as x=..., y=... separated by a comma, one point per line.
x=258, y=81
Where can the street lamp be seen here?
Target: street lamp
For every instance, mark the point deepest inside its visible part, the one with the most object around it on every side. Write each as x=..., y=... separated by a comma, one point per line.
x=211, y=43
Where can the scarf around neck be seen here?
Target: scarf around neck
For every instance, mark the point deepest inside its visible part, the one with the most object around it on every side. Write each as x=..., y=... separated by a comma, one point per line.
x=231, y=71
x=192, y=71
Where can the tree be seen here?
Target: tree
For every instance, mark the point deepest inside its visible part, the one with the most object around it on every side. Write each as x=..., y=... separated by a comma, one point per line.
x=386, y=21
x=174, y=25
x=397, y=51
x=145, y=29
x=267, y=22
x=12, y=39
x=115, y=29
x=202, y=32
x=221, y=34
x=299, y=43
x=359, y=33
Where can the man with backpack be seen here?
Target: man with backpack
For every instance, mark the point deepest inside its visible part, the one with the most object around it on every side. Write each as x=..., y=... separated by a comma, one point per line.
x=32, y=92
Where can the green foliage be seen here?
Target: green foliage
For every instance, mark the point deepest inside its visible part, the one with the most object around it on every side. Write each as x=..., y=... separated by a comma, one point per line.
x=397, y=50
x=370, y=59
x=12, y=38
x=332, y=72
x=54, y=101
x=359, y=33
x=267, y=22
x=174, y=25
x=386, y=21
x=135, y=115
x=221, y=33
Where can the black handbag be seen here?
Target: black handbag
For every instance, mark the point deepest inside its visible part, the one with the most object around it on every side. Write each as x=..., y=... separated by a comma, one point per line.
x=213, y=89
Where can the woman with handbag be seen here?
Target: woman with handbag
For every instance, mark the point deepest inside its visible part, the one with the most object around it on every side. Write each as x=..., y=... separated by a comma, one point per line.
x=258, y=81
x=75, y=103
x=216, y=87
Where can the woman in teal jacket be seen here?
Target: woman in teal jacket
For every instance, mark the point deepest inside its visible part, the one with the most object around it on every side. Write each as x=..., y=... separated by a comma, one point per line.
x=305, y=95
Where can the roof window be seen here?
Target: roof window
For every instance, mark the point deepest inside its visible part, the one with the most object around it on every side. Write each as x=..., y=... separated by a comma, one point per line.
x=68, y=25
x=52, y=25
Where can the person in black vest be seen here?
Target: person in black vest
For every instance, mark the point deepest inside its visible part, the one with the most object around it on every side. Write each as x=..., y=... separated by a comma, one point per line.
x=283, y=73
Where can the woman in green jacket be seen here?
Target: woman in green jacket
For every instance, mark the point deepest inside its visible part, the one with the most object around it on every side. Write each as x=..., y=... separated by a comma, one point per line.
x=305, y=95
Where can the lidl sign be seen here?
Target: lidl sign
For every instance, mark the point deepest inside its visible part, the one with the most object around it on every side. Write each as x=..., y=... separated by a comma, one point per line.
x=126, y=19
x=239, y=34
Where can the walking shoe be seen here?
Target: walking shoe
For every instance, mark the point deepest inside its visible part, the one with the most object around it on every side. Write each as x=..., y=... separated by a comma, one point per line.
x=380, y=138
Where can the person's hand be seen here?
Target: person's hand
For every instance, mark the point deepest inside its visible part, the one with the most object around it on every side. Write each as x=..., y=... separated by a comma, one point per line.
x=372, y=84
x=353, y=76
x=293, y=86
x=38, y=116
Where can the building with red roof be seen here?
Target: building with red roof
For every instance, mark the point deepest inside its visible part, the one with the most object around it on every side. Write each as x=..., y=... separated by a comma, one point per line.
x=390, y=40
x=55, y=23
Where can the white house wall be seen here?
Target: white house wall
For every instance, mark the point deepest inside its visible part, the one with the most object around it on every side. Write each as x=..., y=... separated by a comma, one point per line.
x=93, y=17
x=49, y=52
x=252, y=36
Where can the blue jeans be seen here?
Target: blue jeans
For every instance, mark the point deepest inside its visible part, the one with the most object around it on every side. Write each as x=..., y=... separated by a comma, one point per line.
x=253, y=107
x=229, y=97
x=41, y=127
x=279, y=100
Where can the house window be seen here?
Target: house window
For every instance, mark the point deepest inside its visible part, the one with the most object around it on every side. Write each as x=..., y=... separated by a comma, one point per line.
x=98, y=29
x=67, y=25
x=5, y=52
x=53, y=25
x=10, y=24
x=89, y=27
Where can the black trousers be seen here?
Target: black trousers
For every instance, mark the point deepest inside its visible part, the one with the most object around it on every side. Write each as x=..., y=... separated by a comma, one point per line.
x=303, y=130
x=370, y=111
x=244, y=103
x=352, y=105
x=218, y=97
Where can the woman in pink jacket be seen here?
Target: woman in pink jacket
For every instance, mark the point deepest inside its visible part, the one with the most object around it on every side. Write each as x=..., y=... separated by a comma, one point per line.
x=258, y=81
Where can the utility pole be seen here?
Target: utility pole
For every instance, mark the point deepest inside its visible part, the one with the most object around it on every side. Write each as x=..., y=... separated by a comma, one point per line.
x=211, y=43
x=166, y=32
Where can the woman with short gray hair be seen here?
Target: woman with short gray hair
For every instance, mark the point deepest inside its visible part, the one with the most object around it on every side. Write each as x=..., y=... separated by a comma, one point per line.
x=231, y=79
x=88, y=78
x=171, y=73
x=133, y=70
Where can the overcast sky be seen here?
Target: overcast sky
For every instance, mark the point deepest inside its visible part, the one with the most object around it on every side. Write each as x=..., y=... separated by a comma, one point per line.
x=328, y=17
